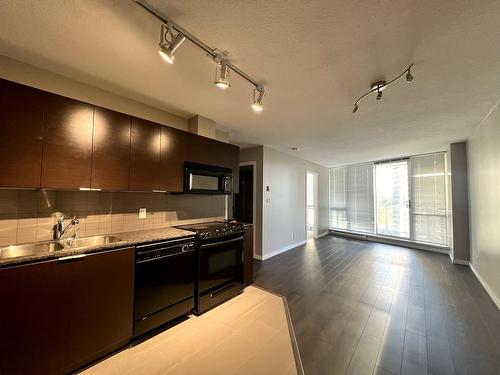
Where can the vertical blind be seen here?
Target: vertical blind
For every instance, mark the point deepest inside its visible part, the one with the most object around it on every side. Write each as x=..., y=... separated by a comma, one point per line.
x=428, y=179
x=351, y=198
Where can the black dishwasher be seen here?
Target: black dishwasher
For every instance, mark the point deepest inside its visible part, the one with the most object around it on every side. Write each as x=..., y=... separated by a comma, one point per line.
x=164, y=283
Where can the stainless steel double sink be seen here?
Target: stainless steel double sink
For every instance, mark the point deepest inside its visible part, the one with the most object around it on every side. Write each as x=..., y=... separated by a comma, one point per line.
x=15, y=251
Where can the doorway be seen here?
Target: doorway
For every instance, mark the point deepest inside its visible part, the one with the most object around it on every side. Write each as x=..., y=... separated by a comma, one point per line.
x=311, y=205
x=245, y=199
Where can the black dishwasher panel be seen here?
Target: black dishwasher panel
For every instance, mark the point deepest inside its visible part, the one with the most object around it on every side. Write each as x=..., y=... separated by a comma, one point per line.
x=164, y=283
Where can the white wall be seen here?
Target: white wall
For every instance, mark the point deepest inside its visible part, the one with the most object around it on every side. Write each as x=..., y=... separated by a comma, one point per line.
x=30, y=75
x=484, y=202
x=284, y=212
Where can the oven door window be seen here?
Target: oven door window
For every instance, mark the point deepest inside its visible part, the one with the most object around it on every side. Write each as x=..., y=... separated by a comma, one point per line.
x=220, y=263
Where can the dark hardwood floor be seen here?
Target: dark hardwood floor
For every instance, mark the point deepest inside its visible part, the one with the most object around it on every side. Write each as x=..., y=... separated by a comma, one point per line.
x=365, y=308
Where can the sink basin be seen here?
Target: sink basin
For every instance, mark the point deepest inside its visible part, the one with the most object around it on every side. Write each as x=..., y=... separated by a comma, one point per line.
x=15, y=251
x=91, y=241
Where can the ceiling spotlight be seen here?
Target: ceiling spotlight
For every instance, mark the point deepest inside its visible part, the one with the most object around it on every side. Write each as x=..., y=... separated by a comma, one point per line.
x=169, y=43
x=222, y=74
x=258, y=96
x=380, y=86
x=409, y=76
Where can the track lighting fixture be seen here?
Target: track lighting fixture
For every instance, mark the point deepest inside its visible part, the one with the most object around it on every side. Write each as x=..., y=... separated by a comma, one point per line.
x=380, y=86
x=169, y=43
x=258, y=97
x=222, y=74
x=173, y=35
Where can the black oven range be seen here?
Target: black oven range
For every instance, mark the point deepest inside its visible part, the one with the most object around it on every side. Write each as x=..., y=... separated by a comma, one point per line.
x=218, y=263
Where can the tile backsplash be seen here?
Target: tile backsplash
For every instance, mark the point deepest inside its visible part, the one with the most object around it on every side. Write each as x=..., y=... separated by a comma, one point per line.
x=29, y=215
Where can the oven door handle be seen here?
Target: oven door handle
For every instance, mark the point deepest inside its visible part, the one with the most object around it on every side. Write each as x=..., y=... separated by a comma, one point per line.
x=221, y=243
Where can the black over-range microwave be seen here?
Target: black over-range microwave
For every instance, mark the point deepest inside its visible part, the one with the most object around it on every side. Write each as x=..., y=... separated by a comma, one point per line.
x=207, y=179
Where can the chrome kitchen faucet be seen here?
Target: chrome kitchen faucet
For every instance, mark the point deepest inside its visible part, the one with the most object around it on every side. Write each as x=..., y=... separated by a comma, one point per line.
x=60, y=229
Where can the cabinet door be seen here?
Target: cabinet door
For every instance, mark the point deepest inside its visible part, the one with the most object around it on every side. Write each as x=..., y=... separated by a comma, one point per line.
x=59, y=315
x=21, y=124
x=34, y=318
x=144, y=156
x=175, y=145
x=110, y=150
x=67, y=143
x=102, y=305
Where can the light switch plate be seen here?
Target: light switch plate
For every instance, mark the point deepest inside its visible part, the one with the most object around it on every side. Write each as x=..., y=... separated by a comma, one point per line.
x=142, y=213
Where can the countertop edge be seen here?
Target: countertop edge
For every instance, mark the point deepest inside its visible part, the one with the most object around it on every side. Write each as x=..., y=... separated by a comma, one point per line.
x=129, y=239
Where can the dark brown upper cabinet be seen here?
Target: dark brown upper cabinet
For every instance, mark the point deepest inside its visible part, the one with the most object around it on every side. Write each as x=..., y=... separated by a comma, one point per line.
x=21, y=126
x=144, y=155
x=67, y=143
x=110, y=150
x=175, y=147
x=54, y=142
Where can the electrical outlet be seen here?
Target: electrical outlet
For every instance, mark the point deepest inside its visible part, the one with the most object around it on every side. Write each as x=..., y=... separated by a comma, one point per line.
x=293, y=236
x=142, y=213
x=268, y=201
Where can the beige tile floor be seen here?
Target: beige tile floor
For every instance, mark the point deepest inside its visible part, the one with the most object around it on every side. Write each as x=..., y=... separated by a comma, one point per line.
x=246, y=335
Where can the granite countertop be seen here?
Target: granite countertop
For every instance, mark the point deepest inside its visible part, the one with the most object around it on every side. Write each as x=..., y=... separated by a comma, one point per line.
x=126, y=239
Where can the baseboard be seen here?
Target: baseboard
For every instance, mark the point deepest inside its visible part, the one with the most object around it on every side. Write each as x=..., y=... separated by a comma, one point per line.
x=323, y=234
x=460, y=262
x=490, y=292
x=257, y=256
x=282, y=250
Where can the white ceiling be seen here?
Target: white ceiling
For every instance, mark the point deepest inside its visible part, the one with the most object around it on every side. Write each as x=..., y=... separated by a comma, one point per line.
x=315, y=58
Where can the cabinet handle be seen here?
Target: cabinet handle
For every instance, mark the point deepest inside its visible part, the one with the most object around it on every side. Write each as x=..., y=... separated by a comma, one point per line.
x=71, y=257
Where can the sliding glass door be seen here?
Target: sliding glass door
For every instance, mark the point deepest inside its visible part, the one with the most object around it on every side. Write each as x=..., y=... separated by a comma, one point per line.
x=392, y=199
x=428, y=197
x=403, y=198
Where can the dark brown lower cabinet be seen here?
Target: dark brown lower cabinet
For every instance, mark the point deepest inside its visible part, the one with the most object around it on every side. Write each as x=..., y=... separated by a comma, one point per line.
x=248, y=255
x=59, y=315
